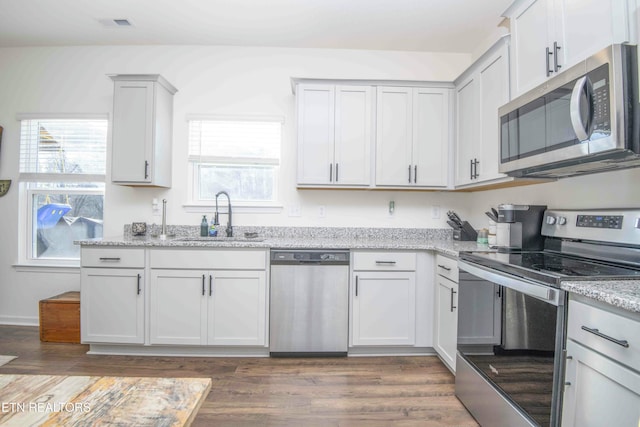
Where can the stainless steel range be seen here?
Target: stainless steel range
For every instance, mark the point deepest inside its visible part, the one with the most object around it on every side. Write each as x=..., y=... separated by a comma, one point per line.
x=511, y=322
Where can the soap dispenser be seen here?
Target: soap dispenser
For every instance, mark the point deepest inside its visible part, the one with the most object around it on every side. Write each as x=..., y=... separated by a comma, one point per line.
x=204, y=227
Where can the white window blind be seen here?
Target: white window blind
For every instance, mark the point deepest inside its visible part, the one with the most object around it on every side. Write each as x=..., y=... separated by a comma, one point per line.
x=75, y=148
x=239, y=155
x=235, y=141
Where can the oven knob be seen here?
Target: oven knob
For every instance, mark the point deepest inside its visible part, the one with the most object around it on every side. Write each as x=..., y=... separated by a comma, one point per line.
x=562, y=220
x=551, y=220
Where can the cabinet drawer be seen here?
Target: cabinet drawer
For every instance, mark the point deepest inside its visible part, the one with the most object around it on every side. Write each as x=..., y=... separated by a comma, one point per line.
x=611, y=325
x=112, y=257
x=447, y=267
x=384, y=261
x=210, y=259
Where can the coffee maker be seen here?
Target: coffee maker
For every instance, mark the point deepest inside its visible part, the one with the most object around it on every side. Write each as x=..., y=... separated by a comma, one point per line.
x=519, y=227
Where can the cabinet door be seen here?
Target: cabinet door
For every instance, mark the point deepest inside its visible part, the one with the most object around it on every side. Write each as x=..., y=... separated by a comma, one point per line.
x=598, y=391
x=237, y=308
x=446, y=320
x=112, y=305
x=493, y=92
x=481, y=322
x=531, y=34
x=316, y=110
x=383, y=307
x=466, y=124
x=132, y=131
x=430, y=137
x=353, y=135
x=178, y=301
x=585, y=26
x=393, y=136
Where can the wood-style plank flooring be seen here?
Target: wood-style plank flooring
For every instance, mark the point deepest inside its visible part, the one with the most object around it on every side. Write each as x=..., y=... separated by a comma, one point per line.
x=356, y=391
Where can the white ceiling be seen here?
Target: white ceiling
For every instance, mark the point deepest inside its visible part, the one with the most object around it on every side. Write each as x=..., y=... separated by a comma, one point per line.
x=409, y=25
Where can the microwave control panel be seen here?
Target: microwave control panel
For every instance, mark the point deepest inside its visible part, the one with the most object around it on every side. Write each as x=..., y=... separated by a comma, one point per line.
x=600, y=98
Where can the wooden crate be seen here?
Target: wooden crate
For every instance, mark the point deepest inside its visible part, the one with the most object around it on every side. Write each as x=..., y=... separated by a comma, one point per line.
x=60, y=318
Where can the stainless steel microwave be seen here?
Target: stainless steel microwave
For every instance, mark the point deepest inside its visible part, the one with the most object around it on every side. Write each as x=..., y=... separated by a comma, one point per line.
x=584, y=120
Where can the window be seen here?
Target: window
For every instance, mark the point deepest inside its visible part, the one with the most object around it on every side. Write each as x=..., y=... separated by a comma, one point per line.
x=62, y=174
x=240, y=156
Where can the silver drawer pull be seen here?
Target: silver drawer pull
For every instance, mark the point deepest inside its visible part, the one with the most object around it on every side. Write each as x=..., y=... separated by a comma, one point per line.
x=623, y=343
x=386, y=262
x=444, y=267
x=109, y=259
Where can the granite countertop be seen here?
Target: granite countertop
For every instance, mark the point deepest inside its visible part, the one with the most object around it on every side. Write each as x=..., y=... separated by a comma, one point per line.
x=444, y=246
x=624, y=294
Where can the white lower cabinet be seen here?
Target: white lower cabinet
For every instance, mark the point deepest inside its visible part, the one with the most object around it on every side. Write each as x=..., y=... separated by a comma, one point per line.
x=216, y=307
x=384, y=309
x=112, y=295
x=602, y=379
x=383, y=299
x=178, y=307
x=112, y=305
x=446, y=312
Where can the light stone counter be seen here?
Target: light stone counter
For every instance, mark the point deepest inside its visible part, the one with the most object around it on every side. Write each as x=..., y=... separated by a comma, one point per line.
x=624, y=294
x=302, y=238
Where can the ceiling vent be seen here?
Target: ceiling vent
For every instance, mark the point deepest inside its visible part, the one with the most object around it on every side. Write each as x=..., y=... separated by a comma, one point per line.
x=120, y=22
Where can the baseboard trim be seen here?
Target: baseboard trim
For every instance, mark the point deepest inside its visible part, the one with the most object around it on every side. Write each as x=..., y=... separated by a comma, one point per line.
x=20, y=320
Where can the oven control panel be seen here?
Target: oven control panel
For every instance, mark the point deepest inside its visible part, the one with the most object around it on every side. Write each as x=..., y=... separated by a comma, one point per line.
x=600, y=221
x=619, y=226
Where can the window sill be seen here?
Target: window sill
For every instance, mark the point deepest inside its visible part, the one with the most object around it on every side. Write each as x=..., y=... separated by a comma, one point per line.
x=237, y=208
x=48, y=268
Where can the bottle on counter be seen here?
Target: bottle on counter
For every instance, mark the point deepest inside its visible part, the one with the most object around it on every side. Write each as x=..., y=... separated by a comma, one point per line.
x=204, y=227
x=213, y=229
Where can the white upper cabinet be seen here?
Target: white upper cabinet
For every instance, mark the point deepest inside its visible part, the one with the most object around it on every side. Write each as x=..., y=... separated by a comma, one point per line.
x=480, y=91
x=334, y=135
x=142, y=130
x=550, y=36
x=412, y=137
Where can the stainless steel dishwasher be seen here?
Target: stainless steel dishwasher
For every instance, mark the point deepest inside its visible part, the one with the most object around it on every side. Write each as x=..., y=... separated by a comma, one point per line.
x=309, y=302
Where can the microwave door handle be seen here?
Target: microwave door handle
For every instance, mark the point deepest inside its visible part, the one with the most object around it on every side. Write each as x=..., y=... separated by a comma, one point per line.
x=579, y=127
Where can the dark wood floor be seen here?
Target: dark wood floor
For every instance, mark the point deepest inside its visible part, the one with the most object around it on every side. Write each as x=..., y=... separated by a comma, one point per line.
x=362, y=391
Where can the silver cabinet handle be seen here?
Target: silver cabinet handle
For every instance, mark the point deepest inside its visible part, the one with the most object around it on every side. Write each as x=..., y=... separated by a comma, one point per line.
x=210, y=285
x=386, y=262
x=547, y=70
x=356, y=285
x=622, y=343
x=415, y=174
x=453, y=307
x=114, y=259
x=139, y=289
x=330, y=172
x=203, y=285
x=409, y=174
x=556, y=48
x=337, y=172
x=146, y=169
x=444, y=267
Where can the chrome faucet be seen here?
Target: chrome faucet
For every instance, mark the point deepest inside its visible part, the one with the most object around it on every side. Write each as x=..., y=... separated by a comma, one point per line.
x=163, y=230
x=229, y=229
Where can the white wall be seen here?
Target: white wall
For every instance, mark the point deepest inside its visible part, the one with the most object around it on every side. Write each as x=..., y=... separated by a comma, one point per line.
x=604, y=190
x=218, y=80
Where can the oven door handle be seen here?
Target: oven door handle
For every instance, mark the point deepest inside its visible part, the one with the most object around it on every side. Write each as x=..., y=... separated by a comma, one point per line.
x=541, y=292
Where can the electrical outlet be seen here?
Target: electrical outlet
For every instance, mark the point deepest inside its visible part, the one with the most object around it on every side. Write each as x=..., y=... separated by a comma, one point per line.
x=392, y=207
x=321, y=211
x=294, y=210
x=155, y=208
x=435, y=212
